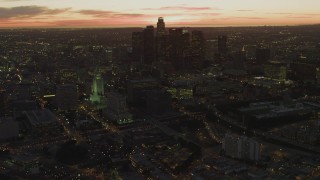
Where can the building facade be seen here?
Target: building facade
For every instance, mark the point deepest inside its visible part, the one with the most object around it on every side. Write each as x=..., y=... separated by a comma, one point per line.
x=67, y=97
x=117, y=109
x=241, y=147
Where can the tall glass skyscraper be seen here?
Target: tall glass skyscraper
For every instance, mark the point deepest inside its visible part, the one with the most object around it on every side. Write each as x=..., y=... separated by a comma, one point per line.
x=222, y=44
x=161, y=27
x=149, y=47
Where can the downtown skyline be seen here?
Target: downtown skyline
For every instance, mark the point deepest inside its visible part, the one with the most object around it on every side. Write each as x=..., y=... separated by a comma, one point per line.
x=140, y=90
x=124, y=13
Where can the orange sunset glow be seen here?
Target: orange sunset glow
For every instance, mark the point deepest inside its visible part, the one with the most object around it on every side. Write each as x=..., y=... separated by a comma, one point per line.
x=128, y=13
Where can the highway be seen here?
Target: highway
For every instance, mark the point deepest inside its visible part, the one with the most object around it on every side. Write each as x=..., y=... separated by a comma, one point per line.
x=263, y=135
x=68, y=129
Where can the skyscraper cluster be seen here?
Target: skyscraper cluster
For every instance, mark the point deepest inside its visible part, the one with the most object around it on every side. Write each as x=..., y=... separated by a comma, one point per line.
x=175, y=46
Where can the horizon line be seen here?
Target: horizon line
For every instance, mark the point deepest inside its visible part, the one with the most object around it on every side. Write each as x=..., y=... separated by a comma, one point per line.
x=139, y=27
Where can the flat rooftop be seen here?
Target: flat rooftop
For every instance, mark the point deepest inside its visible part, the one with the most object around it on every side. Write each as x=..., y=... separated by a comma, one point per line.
x=274, y=109
x=40, y=117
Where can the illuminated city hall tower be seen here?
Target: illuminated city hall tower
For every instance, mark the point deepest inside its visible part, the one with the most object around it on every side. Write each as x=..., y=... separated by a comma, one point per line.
x=97, y=90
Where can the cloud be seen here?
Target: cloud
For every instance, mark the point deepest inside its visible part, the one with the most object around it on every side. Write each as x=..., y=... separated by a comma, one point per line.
x=299, y=17
x=250, y=18
x=183, y=8
x=14, y=0
x=28, y=11
x=98, y=23
x=303, y=14
x=281, y=13
x=97, y=13
x=207, y=14
x=243, y=18
x=245, y=10
x=312, y=14
x=109, y=14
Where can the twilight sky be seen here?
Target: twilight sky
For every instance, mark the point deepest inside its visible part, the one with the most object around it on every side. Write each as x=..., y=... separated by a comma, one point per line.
x=139, y=13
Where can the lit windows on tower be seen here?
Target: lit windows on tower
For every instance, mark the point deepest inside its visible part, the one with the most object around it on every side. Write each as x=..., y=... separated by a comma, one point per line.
x=222, y=44
x=137, y=46
x=97, y=90
x=161, y=28
x=149, y=47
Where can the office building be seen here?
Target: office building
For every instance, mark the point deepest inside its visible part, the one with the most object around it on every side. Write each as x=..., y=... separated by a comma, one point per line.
x=303, y=72
x=238, y=60
x=161, y=28
x=120, y=54
x=68, y=75
x=222, y=44
x=161, y=42
x=198, y=47
x=231, y=146
x=266, y=115
x=9, y=128
x=3, y=103
x=187, y=50
x=159, y=102
x=197, y=42
x=116, y=109
x=262, y=55
x=185, y=39
x=67, y=97
x=137, y=90
x=137, y=46
x=275, y=71
x=176, y=48
x=148, y=45
x=318, y=76
x=241, y=147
